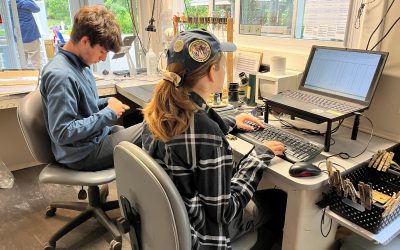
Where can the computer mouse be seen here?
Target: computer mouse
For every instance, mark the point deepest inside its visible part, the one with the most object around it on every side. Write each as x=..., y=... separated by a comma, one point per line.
x=304, y=169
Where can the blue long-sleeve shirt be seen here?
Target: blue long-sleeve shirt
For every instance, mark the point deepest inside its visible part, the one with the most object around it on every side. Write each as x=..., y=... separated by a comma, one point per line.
x=29, y=28
x=76, y=118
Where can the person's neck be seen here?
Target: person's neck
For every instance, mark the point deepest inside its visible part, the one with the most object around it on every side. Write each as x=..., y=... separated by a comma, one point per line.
x=73, y=48
x=202, y=89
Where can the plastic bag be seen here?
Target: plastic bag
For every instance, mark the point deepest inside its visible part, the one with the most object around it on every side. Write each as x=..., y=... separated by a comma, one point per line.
x=6, y=177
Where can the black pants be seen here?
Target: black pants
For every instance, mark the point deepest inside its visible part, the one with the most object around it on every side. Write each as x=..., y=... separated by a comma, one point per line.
x=264, y=213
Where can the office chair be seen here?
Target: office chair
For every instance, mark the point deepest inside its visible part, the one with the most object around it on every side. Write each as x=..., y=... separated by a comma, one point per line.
x=153, y=210
x=31, y=121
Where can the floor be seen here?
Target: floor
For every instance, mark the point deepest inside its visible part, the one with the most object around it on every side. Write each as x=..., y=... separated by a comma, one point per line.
x=23, y=224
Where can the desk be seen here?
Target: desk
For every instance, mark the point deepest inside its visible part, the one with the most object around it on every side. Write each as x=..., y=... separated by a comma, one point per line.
x=303, y=217
x=123, y=86
x=105, y=87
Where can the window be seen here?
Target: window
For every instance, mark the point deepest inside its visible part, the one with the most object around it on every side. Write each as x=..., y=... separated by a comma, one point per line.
x=201, y=8
x=302, y=19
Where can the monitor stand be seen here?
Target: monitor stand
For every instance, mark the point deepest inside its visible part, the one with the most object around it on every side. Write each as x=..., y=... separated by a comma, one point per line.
x=315, y=118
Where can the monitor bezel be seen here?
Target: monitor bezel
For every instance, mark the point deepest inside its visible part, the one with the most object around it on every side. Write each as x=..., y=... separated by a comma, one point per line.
x=375, y=80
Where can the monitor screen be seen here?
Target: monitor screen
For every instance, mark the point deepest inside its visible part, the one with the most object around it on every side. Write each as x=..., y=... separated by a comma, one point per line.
x=345, y=73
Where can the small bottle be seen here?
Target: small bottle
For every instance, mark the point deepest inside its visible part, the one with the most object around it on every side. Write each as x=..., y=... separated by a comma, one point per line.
x=6, y=177
x=151, y=62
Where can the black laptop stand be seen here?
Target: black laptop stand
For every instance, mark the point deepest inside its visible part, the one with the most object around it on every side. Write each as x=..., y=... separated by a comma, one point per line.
x=312, y=117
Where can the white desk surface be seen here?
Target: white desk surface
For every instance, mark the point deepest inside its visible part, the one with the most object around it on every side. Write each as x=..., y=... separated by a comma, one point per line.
x=137, y=81
x=10, y=97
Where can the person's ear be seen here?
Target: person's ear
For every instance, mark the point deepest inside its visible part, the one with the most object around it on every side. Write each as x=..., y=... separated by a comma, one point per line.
x=85, y=40
x=211, y=73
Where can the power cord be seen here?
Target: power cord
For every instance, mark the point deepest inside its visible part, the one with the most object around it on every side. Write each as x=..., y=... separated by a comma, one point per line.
x=387, y=33
x=383, y=18
x=322, y=222
x=345, y=155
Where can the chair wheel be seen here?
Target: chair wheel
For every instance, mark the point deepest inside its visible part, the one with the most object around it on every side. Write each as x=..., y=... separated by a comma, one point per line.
x=47, y=246
x=50, y=211
x=115, y=245
x=82, y=195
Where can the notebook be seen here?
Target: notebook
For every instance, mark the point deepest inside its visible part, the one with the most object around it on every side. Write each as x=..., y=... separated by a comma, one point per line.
x=336, y=83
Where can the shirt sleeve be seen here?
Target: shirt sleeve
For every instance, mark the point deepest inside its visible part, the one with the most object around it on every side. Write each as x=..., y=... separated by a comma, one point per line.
x=103, y=102
x=224, y=195
x=66, y=124
x=30, y=6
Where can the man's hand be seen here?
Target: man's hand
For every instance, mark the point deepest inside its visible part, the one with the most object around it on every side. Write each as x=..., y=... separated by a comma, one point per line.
x=117, y=106
x=240, y=119
x=277, y=147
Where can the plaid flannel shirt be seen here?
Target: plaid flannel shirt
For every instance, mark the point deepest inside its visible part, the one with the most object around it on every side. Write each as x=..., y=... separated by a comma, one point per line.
x=201, y=165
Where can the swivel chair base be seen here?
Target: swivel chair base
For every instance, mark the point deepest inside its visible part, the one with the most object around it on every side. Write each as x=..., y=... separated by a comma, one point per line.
x=95, y=208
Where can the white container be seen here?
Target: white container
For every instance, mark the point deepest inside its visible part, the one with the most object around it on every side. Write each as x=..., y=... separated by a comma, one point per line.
x=270, y=84
x=278, y=65
x=151, y=62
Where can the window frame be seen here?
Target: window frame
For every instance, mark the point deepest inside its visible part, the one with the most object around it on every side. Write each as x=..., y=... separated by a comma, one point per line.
x=289, y=43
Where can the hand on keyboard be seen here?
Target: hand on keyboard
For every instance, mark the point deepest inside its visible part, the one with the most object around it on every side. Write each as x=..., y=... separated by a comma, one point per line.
x=247, y=122
x=276, y=146
x=297, y=148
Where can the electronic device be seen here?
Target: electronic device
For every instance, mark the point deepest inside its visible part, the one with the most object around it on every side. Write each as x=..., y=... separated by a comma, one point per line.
x=296, y=148
x=269, y=83
x=336, y=82
x=304, y=169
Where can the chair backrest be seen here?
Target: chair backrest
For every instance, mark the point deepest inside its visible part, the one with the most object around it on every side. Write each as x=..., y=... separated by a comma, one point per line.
x=164, y=219
x=31, y=121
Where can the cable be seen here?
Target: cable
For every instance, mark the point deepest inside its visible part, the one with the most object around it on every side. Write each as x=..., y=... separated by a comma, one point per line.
x=322, y=222
x=387, y=33
x=345, y=155
x=334, y=165
x=383, y=18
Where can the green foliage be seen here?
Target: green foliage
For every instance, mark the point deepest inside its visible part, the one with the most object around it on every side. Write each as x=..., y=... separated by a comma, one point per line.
x=120, y=9
x=195, y=11
x=58, y=10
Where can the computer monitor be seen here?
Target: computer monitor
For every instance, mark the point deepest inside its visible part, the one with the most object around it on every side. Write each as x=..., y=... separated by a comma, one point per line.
x=348, y=74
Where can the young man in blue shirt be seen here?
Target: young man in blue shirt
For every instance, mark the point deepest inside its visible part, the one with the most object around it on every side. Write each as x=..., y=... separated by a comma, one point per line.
x=80, y=124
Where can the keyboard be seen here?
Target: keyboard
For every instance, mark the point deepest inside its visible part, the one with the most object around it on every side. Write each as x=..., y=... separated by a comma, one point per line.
x=297, y=148
x=320, y=101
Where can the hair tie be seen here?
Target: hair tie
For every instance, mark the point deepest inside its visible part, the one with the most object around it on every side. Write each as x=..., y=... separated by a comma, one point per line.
x=172, y=77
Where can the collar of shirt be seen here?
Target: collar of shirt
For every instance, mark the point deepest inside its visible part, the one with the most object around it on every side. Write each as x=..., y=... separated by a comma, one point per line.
x=210, y=112
x=76, y=60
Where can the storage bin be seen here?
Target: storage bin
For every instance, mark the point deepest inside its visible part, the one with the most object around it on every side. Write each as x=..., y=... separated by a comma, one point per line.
x=384, y=182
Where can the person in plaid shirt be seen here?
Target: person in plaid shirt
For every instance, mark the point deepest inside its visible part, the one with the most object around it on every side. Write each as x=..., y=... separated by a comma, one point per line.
x=187, y=138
